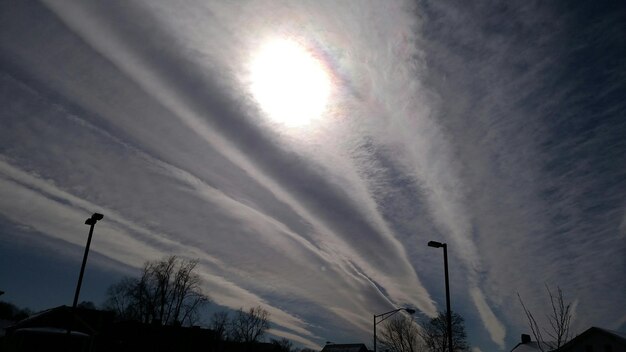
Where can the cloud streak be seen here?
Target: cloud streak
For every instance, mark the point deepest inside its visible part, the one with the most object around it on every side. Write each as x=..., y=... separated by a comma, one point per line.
x=460, y=123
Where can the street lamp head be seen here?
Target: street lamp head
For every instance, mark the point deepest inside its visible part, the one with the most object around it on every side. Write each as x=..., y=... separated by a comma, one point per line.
x=435, y=244
x=94, y=218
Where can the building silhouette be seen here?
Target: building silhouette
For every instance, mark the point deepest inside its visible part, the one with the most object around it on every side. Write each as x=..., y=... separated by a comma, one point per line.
x=593, y=339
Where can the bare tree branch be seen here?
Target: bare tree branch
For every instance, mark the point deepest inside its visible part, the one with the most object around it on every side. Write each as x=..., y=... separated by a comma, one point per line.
x=559, y=320
x=532, y=324
x=401, y=334
x=249, y=326
x=220, y=323
x=168, y=291
x=435, y=333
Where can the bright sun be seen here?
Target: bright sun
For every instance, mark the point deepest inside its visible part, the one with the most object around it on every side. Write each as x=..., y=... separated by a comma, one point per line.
x=291, y=85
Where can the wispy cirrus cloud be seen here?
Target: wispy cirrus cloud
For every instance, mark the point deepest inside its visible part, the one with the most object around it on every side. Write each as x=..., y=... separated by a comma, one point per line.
x=460, y=123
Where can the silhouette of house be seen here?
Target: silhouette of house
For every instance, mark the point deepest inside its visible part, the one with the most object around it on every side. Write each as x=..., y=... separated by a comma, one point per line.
x=593, y=339
x=87, y=321
x=347, y=347
x=48, y=330
x=596, y=339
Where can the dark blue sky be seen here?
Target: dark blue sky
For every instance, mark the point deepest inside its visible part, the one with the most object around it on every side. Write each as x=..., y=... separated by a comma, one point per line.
x=306, y=152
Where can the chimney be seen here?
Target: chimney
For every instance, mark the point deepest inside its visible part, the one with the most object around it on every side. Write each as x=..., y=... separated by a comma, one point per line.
x=525, y=338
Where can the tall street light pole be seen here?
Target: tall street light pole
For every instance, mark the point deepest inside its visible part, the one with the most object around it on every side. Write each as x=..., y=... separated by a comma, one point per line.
x=435, y=244
x=385, y=316
x=91, y=222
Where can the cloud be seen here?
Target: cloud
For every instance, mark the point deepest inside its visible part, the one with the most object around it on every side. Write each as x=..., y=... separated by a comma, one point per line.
x=470, y=124
x=494, y=326
x=265, y=172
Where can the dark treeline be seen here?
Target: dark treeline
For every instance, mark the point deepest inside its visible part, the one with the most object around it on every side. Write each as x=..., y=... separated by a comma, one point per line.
x=11, y=312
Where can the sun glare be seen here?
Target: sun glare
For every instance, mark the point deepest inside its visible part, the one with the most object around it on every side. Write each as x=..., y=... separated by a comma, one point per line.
x=289, y=83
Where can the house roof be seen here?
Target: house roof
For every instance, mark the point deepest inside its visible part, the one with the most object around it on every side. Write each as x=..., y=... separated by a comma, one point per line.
x=82, y=319
x=616, y=336
x=52, y=331
x=534, y=347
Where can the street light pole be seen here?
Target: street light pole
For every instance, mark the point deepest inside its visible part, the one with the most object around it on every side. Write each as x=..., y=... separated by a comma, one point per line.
x=95, y=217
x=385, y=316
x=448, y=311
x=91, y=222
x=374, y=332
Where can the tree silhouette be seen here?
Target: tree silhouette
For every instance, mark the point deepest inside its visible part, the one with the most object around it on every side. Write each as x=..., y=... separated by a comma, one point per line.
x=401, y=334
x=220, y=324
x=249, y=326
x=168, y=292
x=10, y=311
x=435, y=333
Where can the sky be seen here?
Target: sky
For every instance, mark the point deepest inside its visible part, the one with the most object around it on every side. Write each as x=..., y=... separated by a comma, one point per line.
x=305, y=152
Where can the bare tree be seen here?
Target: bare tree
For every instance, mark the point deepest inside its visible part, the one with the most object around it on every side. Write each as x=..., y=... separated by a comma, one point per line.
x=401, y=334
x=187, y=296
x=559, y=320
x=249, y=326
x=219, y=323
x=435, y=333
x=123, y=298
x=159, y=275
x=168, y=291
